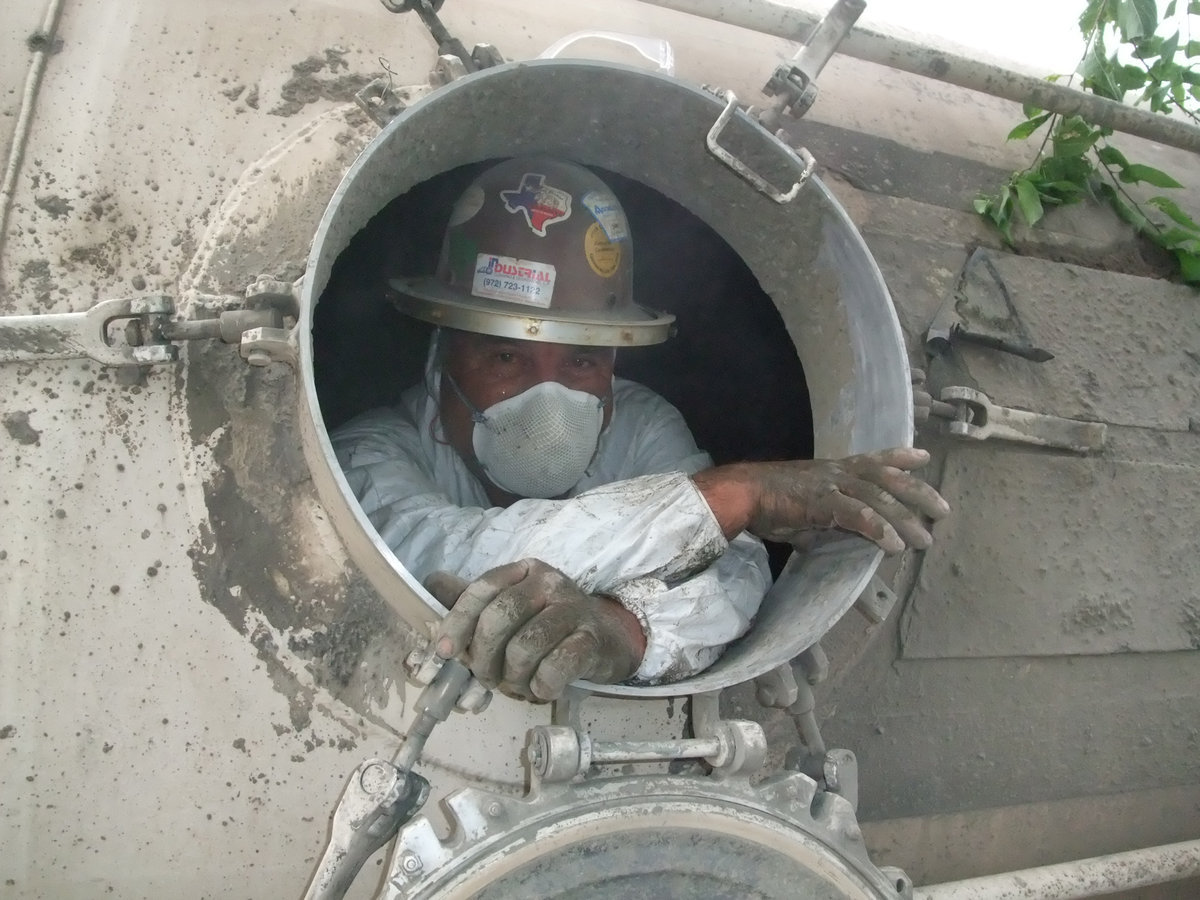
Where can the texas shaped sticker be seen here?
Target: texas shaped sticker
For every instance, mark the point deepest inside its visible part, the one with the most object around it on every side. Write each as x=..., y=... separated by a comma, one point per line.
x=541, y=203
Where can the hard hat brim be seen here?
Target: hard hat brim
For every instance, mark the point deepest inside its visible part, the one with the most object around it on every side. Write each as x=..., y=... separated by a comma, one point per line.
x=432, y=301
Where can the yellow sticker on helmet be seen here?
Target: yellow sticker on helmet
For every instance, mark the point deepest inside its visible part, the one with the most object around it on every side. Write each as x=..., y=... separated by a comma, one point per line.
x=602, y=254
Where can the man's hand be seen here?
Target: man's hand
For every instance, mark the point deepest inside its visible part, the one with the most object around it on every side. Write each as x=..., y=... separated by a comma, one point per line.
x=527, y=629
x=871, y=494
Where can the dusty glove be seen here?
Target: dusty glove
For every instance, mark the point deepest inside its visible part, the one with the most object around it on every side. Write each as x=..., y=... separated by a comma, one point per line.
x=871, y=494
x=527, y=629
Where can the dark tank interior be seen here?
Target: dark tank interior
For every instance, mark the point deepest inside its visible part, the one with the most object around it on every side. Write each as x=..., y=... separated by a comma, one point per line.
x=730, y=368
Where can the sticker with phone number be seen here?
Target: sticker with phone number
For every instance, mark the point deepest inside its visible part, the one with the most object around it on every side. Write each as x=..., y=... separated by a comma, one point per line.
x=513, y=280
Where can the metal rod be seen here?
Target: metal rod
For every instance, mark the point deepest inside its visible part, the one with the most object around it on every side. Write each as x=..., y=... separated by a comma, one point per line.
x=866, y=44
x=1093, y=877
x=434, y=705
x=190, y=330
x=828, y=33
x=650, y=751
x=33, y=81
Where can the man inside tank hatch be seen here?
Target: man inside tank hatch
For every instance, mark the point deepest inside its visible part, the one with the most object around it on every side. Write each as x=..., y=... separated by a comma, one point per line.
x=565, y=516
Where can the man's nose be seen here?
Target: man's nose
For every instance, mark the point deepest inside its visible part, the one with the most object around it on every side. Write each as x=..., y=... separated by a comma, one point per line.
x=547, y=364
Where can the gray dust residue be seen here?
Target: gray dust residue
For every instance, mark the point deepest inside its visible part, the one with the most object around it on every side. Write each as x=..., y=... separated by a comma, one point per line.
x=1098, y=616
x=251, y=564
x=104, y=256
x=58, y=207
x=18, y=427
x=43, y=42
x=35, y=276
x=1191, y=623
x=316, y=79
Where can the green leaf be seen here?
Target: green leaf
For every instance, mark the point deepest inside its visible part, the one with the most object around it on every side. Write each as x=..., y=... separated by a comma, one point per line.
x=1029, y=201
x=1001, y=212
x=1191, y=48
x=1030, y=111
x=1136, y=18
x=983, y=204
x=1065, y=191
x=1098, y=74
x=1189, y=266
x=1094, y=15
x=1077, y=169
x=1135, y=174
x=1129, y=212
x=1157, y=97
x=1169, y=12
x=1171, y=208
x=1179, y=238
x=1111, y=156
x=1028, y=127
x=1074, y=146
x=1194, y=7
x=1129, y=78
x=1167, y=48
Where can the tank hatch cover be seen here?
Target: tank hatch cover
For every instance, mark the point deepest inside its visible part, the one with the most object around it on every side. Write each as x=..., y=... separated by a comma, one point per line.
x=644, y=837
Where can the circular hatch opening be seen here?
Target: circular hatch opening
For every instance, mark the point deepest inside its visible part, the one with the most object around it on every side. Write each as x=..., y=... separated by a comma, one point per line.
x=793, y=282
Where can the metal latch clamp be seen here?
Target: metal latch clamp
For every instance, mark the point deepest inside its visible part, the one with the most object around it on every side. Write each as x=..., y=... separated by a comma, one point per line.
x=976, y=417
x=87, y=334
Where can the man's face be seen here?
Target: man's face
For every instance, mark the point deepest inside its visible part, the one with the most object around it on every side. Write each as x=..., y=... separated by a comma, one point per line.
x=490, y=369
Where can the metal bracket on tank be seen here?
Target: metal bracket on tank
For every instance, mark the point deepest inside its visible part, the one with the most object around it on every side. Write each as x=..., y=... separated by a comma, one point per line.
x=90, y=334
x=559, y=753
x=454, y=61
x=141, y=331
x=793, y=85
x=973, y=415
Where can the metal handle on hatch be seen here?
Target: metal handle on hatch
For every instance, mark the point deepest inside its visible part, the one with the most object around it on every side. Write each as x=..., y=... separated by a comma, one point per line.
x=759, y=183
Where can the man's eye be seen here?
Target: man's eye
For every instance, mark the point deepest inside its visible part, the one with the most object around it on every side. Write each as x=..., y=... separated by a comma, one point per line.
x=505, y=357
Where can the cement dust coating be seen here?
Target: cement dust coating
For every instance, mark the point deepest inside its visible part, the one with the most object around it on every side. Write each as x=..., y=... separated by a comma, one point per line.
x=271, y=672
x=121, y=689
x=1082, y=534
x=1085, y=534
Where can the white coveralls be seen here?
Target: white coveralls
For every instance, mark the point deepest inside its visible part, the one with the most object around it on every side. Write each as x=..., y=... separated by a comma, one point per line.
x=635, y=527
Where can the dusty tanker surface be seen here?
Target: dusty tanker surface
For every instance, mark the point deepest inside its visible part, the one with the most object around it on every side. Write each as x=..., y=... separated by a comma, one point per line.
x=193, y=658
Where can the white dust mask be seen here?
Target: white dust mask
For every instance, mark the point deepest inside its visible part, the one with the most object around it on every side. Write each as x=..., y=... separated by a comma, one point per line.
x=540, y=442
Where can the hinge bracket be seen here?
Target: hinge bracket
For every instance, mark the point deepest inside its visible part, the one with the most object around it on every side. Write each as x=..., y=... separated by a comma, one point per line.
x=141, y=331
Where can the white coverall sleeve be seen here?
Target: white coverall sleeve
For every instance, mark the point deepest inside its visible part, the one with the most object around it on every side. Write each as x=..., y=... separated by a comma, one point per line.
x=688, y=625
x=651, y=541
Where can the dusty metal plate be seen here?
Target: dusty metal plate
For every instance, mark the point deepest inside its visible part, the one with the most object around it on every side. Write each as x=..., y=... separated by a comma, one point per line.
x=1049, y=555
x=1123, y=354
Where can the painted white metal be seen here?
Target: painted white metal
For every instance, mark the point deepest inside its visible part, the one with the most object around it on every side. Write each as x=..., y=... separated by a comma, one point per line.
x=1093, y=877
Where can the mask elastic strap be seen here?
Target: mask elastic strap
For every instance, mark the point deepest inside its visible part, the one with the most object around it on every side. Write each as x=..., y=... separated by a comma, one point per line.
x=476, y=416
